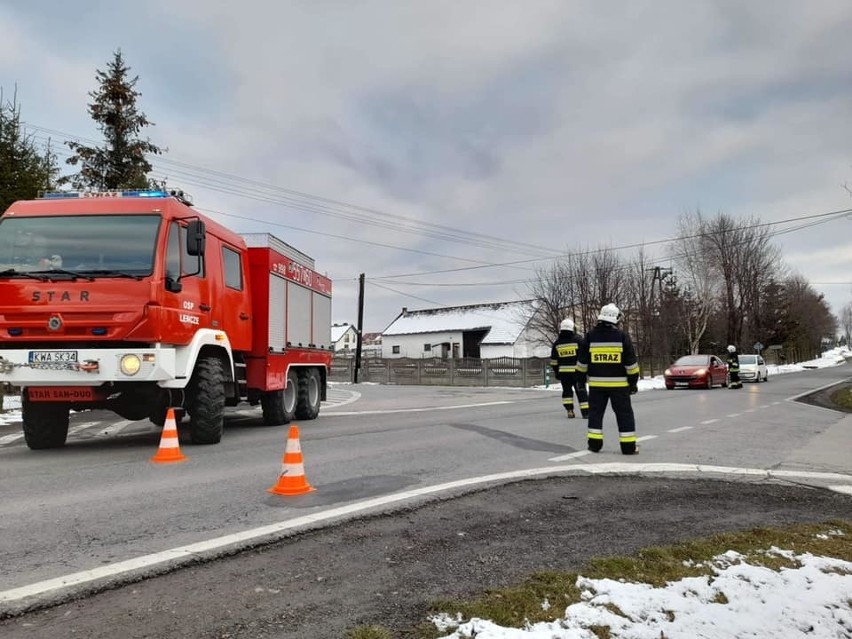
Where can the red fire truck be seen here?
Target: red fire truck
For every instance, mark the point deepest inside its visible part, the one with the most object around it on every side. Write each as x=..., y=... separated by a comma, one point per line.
x=134, y=302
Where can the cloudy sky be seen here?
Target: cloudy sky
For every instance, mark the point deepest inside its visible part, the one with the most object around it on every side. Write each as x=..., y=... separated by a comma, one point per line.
x=427, y=144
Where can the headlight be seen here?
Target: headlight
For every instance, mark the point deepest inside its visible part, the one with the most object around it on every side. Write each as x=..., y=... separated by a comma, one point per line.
x=701, y=372
x=667, y=373
x=130, y=364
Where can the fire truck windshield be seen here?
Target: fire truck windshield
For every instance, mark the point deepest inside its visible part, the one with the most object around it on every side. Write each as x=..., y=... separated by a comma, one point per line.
x=105, y=245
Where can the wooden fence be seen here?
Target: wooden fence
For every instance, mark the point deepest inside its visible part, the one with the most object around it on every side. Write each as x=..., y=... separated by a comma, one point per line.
x=467, y=371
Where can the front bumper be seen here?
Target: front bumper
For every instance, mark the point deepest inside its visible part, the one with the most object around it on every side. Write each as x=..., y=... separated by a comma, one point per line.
x=92, y=367
x=686, y=382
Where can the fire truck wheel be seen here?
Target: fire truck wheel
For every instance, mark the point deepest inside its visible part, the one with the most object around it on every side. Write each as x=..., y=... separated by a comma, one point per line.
x=309, y=397
x=45, y=424
x=206, y=401
x=279, y=407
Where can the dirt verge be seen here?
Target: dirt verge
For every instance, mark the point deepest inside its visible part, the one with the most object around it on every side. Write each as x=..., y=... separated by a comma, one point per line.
x=831, y=397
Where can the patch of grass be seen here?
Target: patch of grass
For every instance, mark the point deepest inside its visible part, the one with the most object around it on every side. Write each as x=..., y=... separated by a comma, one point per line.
x=523, y=603
x=370, y=632
x=544, y=596
x=842, y=398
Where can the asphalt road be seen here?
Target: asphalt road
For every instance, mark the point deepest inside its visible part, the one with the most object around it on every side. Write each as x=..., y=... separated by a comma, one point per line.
x=95, y=503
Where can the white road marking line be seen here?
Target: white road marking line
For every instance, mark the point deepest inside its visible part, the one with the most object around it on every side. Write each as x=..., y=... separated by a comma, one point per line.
x=646, y=438
x=579, y=453
x=765, y=406
x=114, y=429
x=846, y=490
x=277, y=530
x=8, y=439
x=733, y=415
x=710, y=421
x=750, y=410
x=355, y=396
x=411, y=410
x=680, y=430
x=83, y=426
x=775, y=403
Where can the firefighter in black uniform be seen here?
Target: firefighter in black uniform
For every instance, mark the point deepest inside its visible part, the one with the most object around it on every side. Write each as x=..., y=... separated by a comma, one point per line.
x=609, y=361
x=563, y=361
x=734, y=368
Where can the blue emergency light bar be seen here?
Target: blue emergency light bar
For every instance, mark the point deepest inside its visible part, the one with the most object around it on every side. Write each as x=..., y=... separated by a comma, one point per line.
x=66, y=195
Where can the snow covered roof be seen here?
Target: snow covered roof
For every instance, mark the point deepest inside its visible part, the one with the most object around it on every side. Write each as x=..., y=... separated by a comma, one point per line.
x=337, y=331
x=503, y=320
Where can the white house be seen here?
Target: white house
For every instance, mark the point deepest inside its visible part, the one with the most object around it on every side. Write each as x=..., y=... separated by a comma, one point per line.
x=478, y=330
x=344, y=339
x=371, y=345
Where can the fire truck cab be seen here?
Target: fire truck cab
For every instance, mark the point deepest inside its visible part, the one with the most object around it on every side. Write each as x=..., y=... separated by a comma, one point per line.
x=135, y=302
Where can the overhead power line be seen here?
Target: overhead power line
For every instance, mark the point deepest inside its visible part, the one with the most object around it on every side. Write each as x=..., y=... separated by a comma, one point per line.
x=253, y=189
x=831, y=216
x=341, y=237
x=231, y=184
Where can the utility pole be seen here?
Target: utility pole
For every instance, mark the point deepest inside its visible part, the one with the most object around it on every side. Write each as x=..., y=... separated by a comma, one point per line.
x=657, y=277
x=660, y=274
x=654, y=321
x=360, y=327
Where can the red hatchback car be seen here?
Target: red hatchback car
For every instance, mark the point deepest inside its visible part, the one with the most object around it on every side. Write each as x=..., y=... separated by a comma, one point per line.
x=696, y=371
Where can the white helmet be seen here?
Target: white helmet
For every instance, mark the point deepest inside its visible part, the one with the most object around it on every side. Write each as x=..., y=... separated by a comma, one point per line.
x=610, y=313
x=567, y=325
x=732, y=348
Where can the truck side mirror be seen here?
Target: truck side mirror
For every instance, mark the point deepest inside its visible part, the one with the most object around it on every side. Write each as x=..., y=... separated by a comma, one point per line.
x=196, y=238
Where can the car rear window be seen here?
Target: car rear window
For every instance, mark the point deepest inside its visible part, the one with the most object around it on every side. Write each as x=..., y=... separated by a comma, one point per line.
x=748, y=359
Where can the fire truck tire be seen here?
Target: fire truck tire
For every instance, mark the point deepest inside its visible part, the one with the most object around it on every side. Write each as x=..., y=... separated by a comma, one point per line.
x=206, y=401
x=309, y=398
x=45, y=424
x=279, y=407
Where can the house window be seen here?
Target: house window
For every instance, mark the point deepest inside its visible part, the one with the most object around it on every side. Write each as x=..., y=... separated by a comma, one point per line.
x=395, y=350
x=427, y=347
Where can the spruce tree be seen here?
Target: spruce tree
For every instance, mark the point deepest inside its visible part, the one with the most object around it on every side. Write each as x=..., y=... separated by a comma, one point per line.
x=121, y=163
x=26, y=168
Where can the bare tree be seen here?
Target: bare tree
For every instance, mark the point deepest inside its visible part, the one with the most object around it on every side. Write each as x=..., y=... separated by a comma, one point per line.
x=698, y=274
x=638, y=297
x=746, y=260
x=555, y=289
x=608, y=274
x=581, y=270
x=576, y=286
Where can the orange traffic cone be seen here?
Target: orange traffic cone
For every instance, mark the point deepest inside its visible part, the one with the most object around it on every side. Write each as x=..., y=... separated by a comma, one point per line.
x=292, y=480
x=169, y=450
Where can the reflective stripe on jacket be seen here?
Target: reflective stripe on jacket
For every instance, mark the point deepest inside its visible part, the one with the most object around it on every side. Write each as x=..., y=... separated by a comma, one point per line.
x=608, y=358
x=563, y=354
x=733, y=363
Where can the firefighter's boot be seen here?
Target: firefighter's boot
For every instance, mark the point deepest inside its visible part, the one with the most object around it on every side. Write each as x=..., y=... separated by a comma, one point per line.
x=571, y=414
